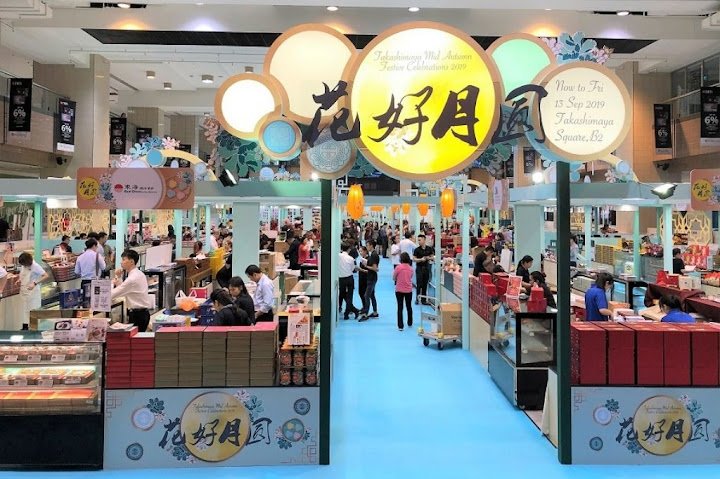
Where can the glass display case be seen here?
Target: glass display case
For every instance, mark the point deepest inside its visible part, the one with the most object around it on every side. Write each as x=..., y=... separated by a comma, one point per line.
x=521, y=348
x=46, y=386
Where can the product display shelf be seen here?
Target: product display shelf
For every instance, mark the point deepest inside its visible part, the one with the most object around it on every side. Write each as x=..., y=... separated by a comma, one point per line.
x=300, y=365
x=50, y=387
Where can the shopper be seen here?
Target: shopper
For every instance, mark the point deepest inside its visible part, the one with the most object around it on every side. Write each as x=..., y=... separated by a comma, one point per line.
x=383, y=240
x=31, y=275
x=484, y=261
x=671, y=306
x=574, y=251
x=89, y=266
x=4, y=228
x=395, y=251
x=226, y=311
x=362, y=275
x=346, y=268
x=198, y=250
x=225, y=273
x=538, y=280
x=678, y=263
x=304, y=250
x=293, y=253
x=403, y=276
x=407, y=245
x=264, y=293
x=106, y=250
x=134, y=289
x=523, y=270
x=242, y=298
x=596, y=301
x=372, y=266
x=63, y=247
x=423, y=257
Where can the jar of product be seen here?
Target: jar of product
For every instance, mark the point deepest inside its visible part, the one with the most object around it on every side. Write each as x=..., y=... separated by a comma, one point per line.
x=311, y=378
x=298, y=378
x=285, y=377
x=311, y=358
x=285, y=357
x=298, y=358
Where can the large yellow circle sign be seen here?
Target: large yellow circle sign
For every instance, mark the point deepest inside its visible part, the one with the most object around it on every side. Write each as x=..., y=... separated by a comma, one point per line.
x=427, y=97
x=663, y=425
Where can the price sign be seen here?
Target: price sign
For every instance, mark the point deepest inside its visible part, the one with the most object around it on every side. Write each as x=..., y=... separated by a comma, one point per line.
x=34, y=358
x=57, y=358
x=10, y=358
x=82, y=358
x=46, y=383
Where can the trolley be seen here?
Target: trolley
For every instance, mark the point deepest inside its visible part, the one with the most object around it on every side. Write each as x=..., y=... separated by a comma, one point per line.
x=434, y=317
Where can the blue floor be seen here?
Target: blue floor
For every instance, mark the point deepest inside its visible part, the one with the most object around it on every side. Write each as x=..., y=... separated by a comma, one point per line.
x=402, y=410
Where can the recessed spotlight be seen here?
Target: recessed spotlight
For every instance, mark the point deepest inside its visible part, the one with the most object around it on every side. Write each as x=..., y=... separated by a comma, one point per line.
x=206, y=114
x=150, y=75
x=414, y=9
x=167, y=85
x=332, y=8
x=548, y=9
x=249, y=69
x=623, y=13
x=199, y=4
x=123, y=5
x=207, y=78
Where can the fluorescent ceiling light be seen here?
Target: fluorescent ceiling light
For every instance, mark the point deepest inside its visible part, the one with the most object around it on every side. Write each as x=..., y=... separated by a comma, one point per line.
x=623, y=13
x=332, y=8
x=150, y=75
x=123, y=5
x=207, y=78
x=414, y=9
x=167, y=85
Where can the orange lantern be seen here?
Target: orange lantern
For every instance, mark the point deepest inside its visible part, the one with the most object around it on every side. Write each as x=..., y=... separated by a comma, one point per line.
x=355, y=202
x=423, y=209
x=406, y=208
x=376, y=208
x=447, y=202
x=394, y=209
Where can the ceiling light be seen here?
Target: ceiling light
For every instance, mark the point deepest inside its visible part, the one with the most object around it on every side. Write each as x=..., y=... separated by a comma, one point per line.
x=664, y=191
x=249, y=69
x=623, y=13
x=167, y=85
x=206, y=114
x=332, y=8
x=548, y=9
x=150, y=75
x=207, y=79
x=538, y=177
x=123, y=5
x=199, y=4
x=414, y=9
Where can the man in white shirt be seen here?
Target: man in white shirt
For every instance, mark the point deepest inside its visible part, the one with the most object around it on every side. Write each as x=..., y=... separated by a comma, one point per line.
x=407, y=245
x=395, y=251
x=346, y=283
x=89, y=266
x=3, y=279
x=134, y=289
x=264, y=293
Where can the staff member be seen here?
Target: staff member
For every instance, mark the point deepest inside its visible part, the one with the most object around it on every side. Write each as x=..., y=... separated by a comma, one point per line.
x=596, y=302
x=241, y=297
x=346, y=282
x=31, y=275
x=678, y=263
x=523, y=270
x=89, y=266
x=671, y=306
x=264, y=293
x=135, y=290
x=423, y=256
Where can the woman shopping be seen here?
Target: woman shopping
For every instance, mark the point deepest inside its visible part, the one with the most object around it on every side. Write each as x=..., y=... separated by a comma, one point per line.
x=31, y=275
x=403, y=277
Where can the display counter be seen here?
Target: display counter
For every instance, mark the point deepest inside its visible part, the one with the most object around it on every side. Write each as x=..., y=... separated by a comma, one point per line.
x=51, y=403
x=656, y=291
x=707, y=308
x=165, y=282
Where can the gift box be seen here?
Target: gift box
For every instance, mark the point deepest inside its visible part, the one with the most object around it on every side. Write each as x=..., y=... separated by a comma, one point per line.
x=649, y=354
x=620, y=353
x=537, y=306
x=705, y=347
x=588, y=353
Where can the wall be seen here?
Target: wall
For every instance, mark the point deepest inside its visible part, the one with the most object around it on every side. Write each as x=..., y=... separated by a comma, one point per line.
x=184, y=128
x=144, y=117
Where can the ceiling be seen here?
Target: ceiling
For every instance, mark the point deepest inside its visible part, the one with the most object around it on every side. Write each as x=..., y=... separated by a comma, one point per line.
x=180, y=40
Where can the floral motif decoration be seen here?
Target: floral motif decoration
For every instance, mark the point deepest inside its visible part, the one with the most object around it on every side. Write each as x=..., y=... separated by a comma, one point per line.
x=576, y=48
x=363, y=168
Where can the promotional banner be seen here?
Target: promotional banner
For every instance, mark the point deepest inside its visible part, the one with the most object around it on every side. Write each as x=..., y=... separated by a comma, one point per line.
x=663, y=133
x=635, y=425
x=100, y=295
x=66, y=126
x=705, y=190
x=142, y=134
x=709, y=120
x=135, y=188
x=529, y=161
x=20, y=110
x=162, y=428
x=118, y=136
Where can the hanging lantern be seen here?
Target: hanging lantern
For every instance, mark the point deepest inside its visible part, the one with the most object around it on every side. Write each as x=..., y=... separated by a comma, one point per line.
x=394, y=209
x=423, y=209
x=376, y=208
x=406, y=208
x=447, y=202
x=355, y=202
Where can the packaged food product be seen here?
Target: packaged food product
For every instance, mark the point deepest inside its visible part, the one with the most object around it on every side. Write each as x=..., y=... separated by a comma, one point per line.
x=311, y=358
x=285, y=377
x=298, y=378
x=285, y=357
x=311, y=378
x=298, y=358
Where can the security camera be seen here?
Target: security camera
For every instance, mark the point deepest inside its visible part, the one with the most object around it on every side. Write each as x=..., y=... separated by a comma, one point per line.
x=60, y=160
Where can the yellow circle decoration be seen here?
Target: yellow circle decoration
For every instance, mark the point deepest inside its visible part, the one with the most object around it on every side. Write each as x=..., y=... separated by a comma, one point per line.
x=89, y=188
x=243, y=100
x=701, y=190
x=586, y=114
x=663, y=425
x=216, y=426
x=427, y=98
x=302, y=59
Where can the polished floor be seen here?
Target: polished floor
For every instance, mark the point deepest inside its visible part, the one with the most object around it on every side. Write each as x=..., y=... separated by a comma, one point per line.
x=401, y=410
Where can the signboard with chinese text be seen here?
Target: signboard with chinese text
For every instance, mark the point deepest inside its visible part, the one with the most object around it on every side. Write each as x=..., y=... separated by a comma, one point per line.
x=705, y=190
x=135, y=188
x=637, y=425
x=162, y=428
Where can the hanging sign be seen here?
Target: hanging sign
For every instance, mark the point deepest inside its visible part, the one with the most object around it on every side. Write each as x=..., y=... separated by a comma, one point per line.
x=118, y=136
x=710, y=116
x=705, y=190
x=142, y=134
x=135, y=188
x=66, y=126
x=663, y=133
x=20, y=111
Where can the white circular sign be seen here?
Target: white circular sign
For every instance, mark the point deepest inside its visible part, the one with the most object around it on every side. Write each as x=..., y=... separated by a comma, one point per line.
x=586, y=113
x=245, y=99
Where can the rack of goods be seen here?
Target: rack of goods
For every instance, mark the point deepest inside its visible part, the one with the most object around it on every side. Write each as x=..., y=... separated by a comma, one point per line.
x=48, y=387
x=299, y=365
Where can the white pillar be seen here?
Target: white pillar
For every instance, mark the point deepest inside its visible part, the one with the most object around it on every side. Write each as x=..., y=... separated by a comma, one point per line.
x=307, y=218
x=208, y=224
x=667, y=238
x=246, y=247
x=529, y=222
x=588, y=233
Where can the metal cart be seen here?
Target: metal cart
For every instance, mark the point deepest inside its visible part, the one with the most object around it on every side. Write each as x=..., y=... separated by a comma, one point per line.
x=434, y=317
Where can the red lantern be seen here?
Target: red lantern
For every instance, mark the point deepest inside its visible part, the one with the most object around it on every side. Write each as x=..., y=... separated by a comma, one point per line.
x=355, y=202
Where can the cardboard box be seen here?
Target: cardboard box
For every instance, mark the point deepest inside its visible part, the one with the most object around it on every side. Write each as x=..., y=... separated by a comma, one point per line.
x=451, y=319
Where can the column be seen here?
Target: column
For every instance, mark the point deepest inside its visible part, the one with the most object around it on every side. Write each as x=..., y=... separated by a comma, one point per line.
x=667, y=239
x=529, y=220
x=178, y=225
x=414, y=219
x=38, y=230
x=437, y=267
x=307, y=218
x=245, y=247
x=497, y=220
x=121, y=219
x=465, y=277
x=636, y=243
x=588, y=234
x=208, y=224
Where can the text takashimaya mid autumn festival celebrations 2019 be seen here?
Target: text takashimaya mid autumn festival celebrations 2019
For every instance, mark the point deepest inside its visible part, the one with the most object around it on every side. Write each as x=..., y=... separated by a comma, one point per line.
x=421, y=101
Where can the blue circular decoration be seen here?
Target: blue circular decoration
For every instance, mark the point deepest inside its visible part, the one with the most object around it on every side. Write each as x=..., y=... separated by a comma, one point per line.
x=266, y=174
x=293, y=430
x=279, y=136
x=596, y=443
x=623, y=167
x=330, y=159
x=155, y=158
x=134, y=451
x=302, y=406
